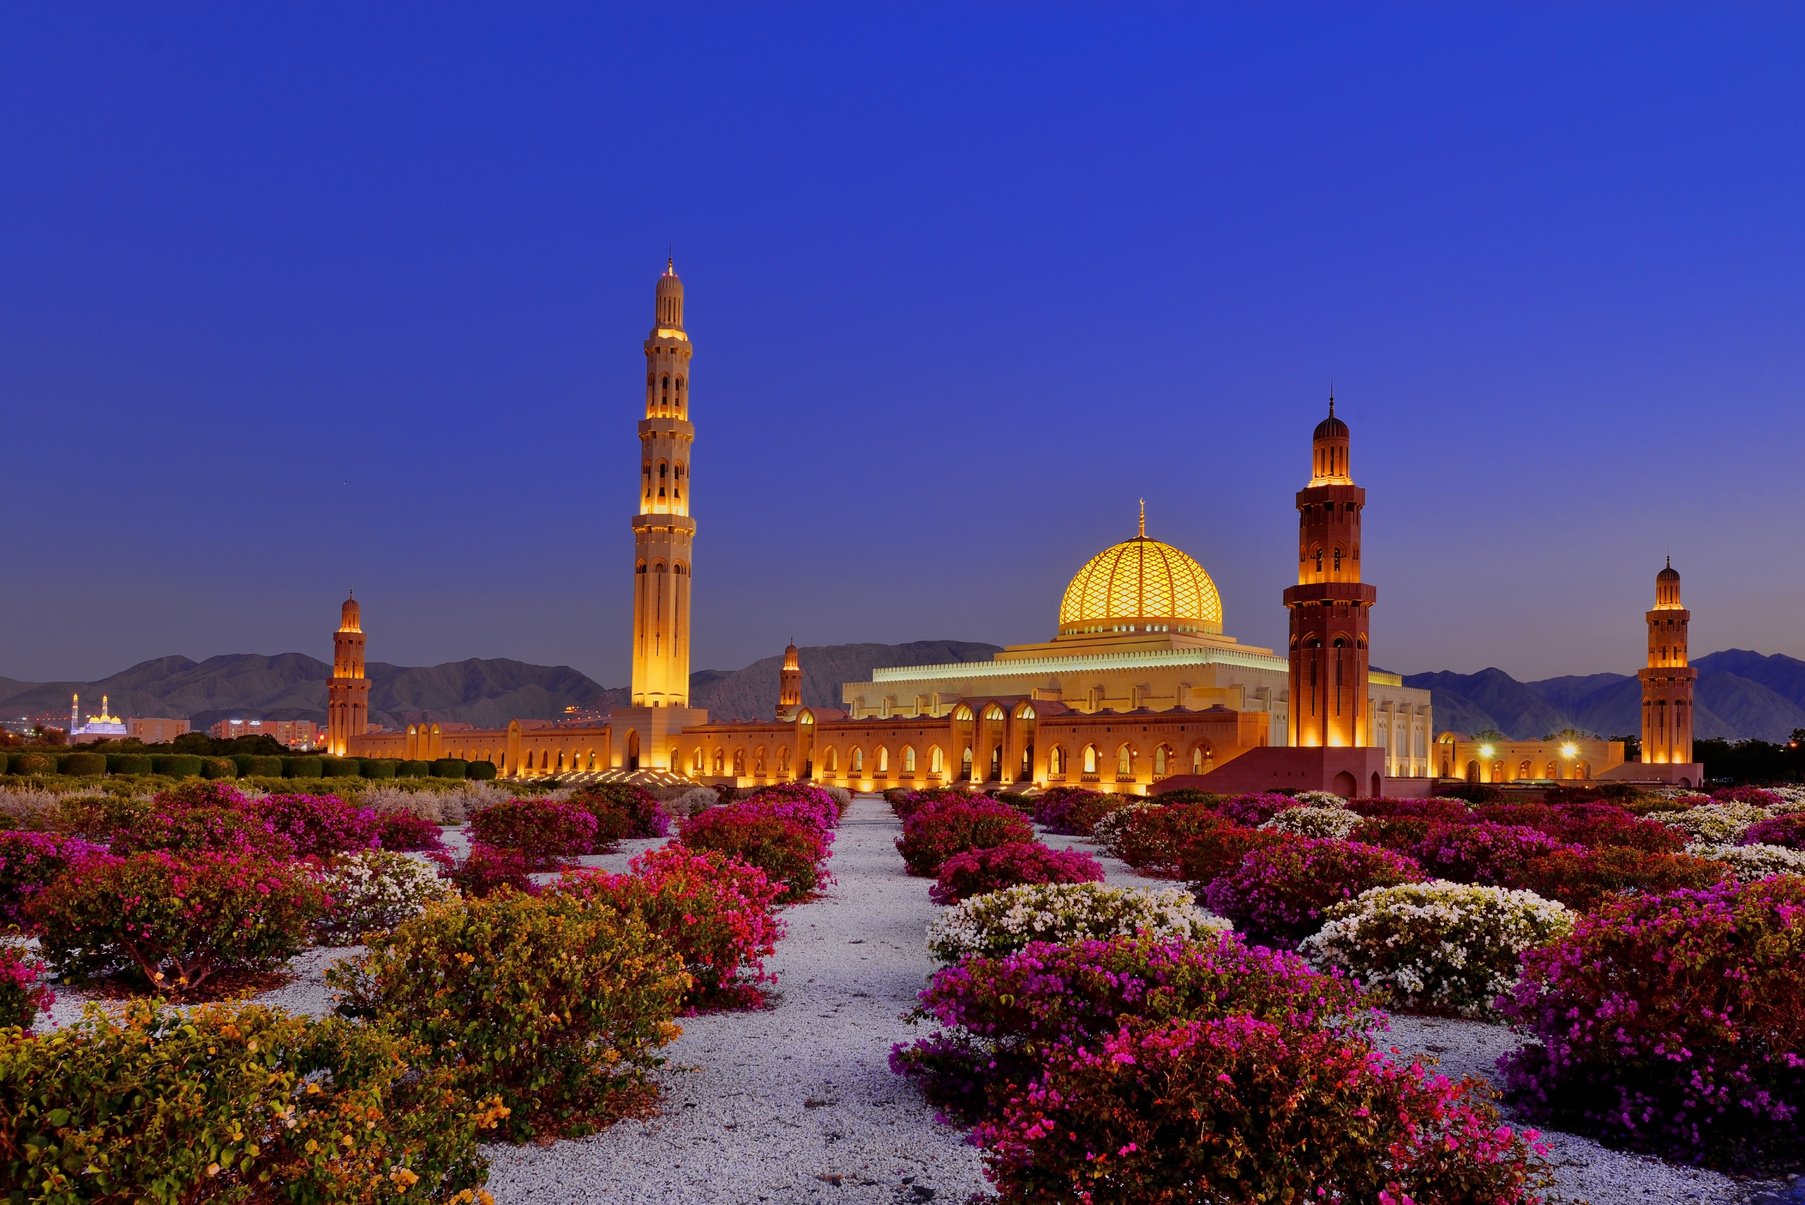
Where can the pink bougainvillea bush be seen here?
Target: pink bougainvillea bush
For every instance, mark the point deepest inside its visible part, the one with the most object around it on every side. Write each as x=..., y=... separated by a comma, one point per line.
x=544, y=831
x=1210, y=852
x=715, y=911
x=1446, y=811
x=1000, y=1017
x=1484, y=853
x=1238, y=1108
x=23, y=994
x=485, y=870
x=1279, y=892
x=1252, y=811
x=792, y=852
x=940, y=830
x=172, y=922
x=622, y=810
x=30, y=862
x=1584, y=878
x=810, y=799
x=906, y=803
x=1787, y=830
x=407, y=832
x=977, y=871
x=1673, y=1023
x=1075, y=811
x=1151, y=836
x=319, y=826
x=184, y=828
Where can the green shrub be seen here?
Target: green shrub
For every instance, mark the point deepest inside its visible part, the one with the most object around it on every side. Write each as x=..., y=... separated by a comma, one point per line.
x=555, y=1004
x=232, y=1103
x=218, y=767
x=480, y=771
x=133, y=764
x=262, y=767
x=176, y=765
x=450, y=767
x=4, y=756
x=379, y=767
x=301, y=767
x=31, y=763
x=340, y=767
x=83, y=765
x=413, y=769
x=243, y=763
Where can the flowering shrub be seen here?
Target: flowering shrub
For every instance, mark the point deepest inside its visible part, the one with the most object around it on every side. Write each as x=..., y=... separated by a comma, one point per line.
x=1402, y=833
x=716, y=912
x=373, y=892
x=1581, y=879
x=1447, y=811
x=1330, y=823
x=1600, y=824
x=937, y=832
x=1437, y=947
x=1075, y=810
x=906, y=803
x=29, y=862
x=191, y=830
x=1279, y=892
x=1151, y=836
x=822, y=802
x=543, y=831
x=553, y=1003
x=174, y=922
x=1751, y=796
x=977, y=871
x=1254, y=810
x=623, y=810
x=1267, y=1113
x=22, y=993
x=1673, y=1023
x=201, y=793
x=1715, y=823
x=792, y=853
x=407, y=832
x=1004, y=921
x=1212, y=852
x=1747, y=863
x=1484, y=853
x=1787, y=830
x=486, y=870
x=321, y=826
x=999, y=1017
x=232, y=1103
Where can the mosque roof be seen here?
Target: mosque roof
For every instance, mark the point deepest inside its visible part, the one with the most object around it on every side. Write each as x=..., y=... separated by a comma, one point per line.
x=1138, y=582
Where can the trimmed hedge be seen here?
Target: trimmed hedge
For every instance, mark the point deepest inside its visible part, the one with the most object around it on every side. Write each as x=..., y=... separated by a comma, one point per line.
x=263, y=767
x=3, y=760
x=243, y=762
x=413, y=769
x=379, y=767
x=301, y=767
x=449, y=767
x=176, y=765
x=31, y=763
x=218, y=767
x=128, y=763
x=340, y=767
x=85, y=765
x=480, y=771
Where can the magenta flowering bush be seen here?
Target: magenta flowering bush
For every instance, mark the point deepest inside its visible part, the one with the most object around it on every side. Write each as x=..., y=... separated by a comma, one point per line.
x=184, y=829
x=1074, y=811
x=543, y=831
x=1000, y=1017
x=23, y=994
x=790, y=847
x=1753, y=796
x=940, y=830
x=201, y=793
x=811, y=798
x=1251, y=811
x=30, y=862
x=622, y=810
x=1447, y=811
x=1673, y=1023
x=978, y=871
x=407, y=832
x=485, y=870
x=905, y=803
x=1238, y=1108
x=1279, y=892
x=318, y=826
x=1787, y=831
x=1485, y=853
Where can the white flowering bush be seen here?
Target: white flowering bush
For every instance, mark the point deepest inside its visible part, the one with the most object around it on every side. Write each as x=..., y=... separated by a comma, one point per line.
x=1334, y=823
x=1002, y=922
x=374, y=891
x=1108, y=831
x=1751, y=862
x=1320, y=799
x=1714, y=823
x=1794, y=797
x=452, y=806
x=695, y=799
x=1437, y=947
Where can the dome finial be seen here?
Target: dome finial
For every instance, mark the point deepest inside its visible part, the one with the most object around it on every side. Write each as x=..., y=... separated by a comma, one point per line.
x=1143, y=518
x=1331, y=397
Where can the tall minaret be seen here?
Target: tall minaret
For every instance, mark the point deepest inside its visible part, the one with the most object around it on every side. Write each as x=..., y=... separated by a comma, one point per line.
x=789, y=689
x=1330, y=605
x=1667, y=681
x=663, y=530
x=348, y=693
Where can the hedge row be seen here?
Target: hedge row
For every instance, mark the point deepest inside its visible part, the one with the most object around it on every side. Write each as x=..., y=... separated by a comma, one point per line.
x=243, y=765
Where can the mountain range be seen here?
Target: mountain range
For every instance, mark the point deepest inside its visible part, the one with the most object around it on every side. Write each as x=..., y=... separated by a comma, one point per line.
x=1741, y=694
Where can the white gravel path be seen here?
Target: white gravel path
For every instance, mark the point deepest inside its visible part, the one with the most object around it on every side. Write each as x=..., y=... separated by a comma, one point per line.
x=796, y=1103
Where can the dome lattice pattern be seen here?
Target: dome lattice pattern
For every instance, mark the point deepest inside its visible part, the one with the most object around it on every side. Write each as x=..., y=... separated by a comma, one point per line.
x=1141, y=582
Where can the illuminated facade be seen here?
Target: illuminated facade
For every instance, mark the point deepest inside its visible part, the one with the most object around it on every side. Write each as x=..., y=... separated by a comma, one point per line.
x=348, y=691
x=1668, y=678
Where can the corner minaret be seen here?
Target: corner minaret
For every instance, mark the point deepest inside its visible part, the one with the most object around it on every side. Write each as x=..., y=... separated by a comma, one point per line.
x=789, y=690
x=1330, y=605
x=348, y=692
x=663, y=530
x=1667, y=680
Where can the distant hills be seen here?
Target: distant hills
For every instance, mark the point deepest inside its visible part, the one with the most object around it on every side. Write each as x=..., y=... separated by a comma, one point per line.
x=484, y=692
x=1740, y=694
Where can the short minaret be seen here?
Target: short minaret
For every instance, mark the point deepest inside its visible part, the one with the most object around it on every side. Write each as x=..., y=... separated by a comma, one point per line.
x=789, y=690
x=1330, y=605
x=348, y=692
x=1668, y=678
x=663, y=530
x=74, y=712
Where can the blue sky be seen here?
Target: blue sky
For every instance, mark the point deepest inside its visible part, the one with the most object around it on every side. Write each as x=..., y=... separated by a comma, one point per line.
x=299, y=298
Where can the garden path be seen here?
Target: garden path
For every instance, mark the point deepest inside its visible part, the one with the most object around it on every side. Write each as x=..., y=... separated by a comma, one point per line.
x=796, y=1103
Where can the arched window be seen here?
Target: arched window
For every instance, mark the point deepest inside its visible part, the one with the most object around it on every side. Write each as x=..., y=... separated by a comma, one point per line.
x=758, y=761
x=883, y=760
x=856, y=760
x=696, y=762
x=783, y=759
x=1056, y=762
x=936, y=760
x=1125, y=762
x=739, y=763
x=1090, y=759
x=908, y=759
x=1162, y=761
x=965, y=765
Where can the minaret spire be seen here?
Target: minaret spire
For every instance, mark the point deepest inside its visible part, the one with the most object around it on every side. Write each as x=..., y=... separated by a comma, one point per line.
x=1143, y=518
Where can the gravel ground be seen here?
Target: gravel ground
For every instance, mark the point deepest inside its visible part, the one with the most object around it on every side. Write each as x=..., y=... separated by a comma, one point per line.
x=796, y=1103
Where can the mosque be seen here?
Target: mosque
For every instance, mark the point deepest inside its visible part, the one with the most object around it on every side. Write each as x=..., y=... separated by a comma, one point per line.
x=1139, y=690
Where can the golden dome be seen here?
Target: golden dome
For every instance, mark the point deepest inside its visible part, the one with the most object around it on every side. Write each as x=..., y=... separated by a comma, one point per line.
x=1140, y=585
